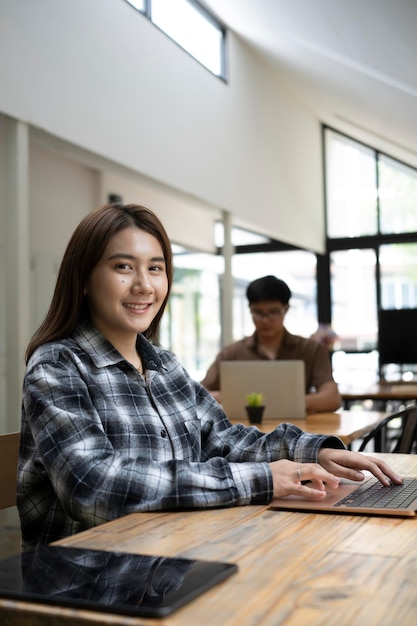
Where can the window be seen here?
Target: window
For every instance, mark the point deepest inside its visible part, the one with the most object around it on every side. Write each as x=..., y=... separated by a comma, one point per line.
x=351, y=188
x=354, y=309
x=191, y=27
x=297, y=268
x=397, y=196
x=191, y=325
x=140, y=5
x=398, y=268
x=371, y=201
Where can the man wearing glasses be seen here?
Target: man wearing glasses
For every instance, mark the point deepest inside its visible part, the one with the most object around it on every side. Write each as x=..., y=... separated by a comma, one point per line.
x=268, y=299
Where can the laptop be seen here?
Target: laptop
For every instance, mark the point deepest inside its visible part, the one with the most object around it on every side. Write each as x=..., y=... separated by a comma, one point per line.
x=282, y=384
x=368, y=497
x=110, y=582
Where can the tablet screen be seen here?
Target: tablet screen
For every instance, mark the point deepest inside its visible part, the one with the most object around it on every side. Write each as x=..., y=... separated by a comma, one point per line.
x=117, y=582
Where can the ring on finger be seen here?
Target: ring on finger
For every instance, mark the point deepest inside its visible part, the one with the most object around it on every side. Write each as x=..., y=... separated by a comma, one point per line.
x=299, y=474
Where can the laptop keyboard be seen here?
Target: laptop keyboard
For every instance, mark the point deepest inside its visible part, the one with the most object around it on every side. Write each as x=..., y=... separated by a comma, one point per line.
x=374, y=495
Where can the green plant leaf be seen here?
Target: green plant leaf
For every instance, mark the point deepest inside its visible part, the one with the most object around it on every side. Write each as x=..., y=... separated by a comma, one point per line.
x=254, y=399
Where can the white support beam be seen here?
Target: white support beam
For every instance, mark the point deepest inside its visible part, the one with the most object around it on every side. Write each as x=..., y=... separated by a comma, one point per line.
x=17, y=264
x=227, y=300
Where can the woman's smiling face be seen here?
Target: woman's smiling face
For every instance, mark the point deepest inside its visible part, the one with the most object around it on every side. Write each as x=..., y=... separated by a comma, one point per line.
x=128, y=285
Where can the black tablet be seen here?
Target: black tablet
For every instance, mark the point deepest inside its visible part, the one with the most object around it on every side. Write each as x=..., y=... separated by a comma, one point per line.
x=116, y=582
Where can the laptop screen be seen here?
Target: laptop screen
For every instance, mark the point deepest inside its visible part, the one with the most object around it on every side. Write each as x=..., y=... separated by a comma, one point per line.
x=281, y=382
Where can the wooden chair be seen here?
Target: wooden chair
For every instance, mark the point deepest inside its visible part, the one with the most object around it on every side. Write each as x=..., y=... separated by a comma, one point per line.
x=9, y=451
x=396, y=433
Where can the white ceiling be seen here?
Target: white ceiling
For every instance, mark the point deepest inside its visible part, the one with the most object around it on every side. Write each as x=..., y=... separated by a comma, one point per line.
x=354, y=62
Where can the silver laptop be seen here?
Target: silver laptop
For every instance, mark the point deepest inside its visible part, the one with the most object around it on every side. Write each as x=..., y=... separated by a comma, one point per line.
x=368, y=497
x=282, y=384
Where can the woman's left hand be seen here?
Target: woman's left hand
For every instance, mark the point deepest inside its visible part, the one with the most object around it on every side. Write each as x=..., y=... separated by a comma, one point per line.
x=347, y=464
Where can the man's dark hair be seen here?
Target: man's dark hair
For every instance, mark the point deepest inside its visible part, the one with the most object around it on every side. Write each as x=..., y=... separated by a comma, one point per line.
x=268, y=288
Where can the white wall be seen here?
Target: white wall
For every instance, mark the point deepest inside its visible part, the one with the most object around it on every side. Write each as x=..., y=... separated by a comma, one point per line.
x=187, y=220
x=99, y=75
x=61, y=193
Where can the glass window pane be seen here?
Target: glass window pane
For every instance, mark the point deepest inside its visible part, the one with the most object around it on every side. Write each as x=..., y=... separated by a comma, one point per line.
x=398, y=264
x=193, y=29
x=297, y=268
x=191, y=325
x=350, y=188
x=356, y=369
x=354, y=311
x=397, y=196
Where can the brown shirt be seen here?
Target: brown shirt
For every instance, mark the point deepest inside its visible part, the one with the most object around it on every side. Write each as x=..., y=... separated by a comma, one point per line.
x=316, y=357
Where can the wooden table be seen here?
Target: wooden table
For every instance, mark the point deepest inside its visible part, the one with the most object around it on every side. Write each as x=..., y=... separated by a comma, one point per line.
x=348, y=425
x=295, y=569
x=382, y=391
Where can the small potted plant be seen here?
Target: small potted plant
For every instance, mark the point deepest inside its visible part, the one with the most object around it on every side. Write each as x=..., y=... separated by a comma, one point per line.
x=255, y=407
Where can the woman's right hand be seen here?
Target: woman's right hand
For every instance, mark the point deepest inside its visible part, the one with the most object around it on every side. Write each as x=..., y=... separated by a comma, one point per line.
x=289, y=476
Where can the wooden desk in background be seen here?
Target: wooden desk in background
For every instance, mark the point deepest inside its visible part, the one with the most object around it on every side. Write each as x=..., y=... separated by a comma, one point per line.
x=348, y=425
x=298, y=569
x=382, y=391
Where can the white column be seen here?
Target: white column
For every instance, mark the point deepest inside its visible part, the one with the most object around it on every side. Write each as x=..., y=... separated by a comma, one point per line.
x=227, y=303
x=17, y=264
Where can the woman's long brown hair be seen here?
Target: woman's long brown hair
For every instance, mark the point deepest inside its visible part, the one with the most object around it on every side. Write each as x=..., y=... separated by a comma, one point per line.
x=85, y=248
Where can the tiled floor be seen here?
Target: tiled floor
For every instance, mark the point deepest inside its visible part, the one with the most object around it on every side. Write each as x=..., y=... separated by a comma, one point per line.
x=9, y=533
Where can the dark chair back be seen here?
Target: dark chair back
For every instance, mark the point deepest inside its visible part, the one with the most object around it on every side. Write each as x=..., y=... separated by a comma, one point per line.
x=9, y=452
x=404, y=439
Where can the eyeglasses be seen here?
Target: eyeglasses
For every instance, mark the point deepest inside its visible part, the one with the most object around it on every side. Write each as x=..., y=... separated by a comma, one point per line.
x=273, y=314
